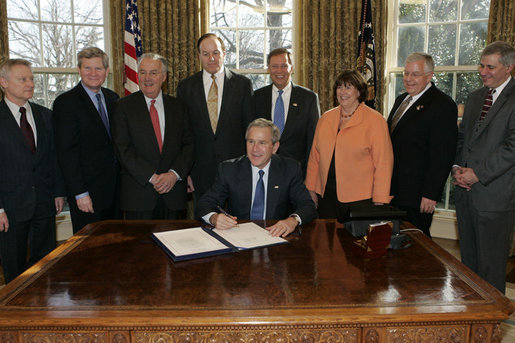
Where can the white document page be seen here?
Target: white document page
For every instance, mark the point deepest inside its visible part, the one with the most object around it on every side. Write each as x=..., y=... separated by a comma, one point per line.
x=248, y=235
x=189, y=241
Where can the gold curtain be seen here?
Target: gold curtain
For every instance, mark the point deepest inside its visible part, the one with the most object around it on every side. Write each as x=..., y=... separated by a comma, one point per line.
x=326, y=35
x=169, y=28
x=501, y=23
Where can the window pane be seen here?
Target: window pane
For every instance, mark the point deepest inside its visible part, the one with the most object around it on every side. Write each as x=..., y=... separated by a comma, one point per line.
x=89, y=36
x=251, y=14
x=410, y=39
x=444, y=82
x=475, y=9
x=411, y=12
x=59, y=83
x=57, y=10
x=39, y=89
x=24, y=42
x=443, y=10
x=472, y=41
x=258, y=80
x=58, y=46
x=466, y=83
x=223, y=13
x=251, y=49
x=27, y=9
x=88, y=12
x=280, y=14
x=279, y=39
x=229, y=38
x=399, y=85
x=442, y=44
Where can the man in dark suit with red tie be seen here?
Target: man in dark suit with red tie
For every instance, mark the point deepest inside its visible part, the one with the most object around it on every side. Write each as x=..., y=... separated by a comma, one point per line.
x=82, y=120
x=484, y=169
x=294, y=109
x=154, y=143
x=219, y=106
x=423, y=128
x=31, y=189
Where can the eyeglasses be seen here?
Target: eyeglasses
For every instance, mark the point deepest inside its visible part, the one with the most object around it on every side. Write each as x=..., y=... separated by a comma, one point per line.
x=408, y=74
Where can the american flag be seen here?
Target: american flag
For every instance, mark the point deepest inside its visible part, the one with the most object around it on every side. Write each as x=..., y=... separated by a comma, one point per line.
x=133, y=49
x=366, y=52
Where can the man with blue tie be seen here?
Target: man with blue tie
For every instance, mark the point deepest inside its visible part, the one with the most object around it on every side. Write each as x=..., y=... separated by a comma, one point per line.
x=294, y=109
x=82, y=120
x=259, y=185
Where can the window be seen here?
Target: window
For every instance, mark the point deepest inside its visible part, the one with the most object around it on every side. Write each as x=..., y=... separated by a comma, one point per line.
x=454, y=33
x=49, y=33
x=250, y=30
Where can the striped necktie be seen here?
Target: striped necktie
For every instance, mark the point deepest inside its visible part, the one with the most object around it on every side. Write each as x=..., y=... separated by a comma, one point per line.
x=487, y=104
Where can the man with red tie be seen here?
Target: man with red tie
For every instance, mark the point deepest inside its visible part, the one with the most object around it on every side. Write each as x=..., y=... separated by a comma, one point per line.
x=484, y=169
x=31, y=190
x=154, y=143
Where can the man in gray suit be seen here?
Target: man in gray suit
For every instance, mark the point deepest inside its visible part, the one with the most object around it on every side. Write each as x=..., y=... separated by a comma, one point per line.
x=31, y=190
x=484, y=170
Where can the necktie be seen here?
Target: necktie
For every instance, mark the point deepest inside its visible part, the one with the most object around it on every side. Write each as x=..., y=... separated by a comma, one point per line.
x=487, y=104
x=212, y=103
x=258, y=206
x=155, y=123
x=26, y=130
x=103, y=114
x=279, y=112
x=398, y=114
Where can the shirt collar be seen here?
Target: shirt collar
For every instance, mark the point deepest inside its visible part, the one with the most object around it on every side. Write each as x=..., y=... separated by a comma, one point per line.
x=285, y=89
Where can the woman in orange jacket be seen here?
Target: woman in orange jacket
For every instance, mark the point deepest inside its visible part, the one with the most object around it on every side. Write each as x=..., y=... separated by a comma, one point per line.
x=351, y=158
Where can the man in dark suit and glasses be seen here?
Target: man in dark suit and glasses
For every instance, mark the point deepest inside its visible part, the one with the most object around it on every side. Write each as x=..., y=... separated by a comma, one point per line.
x=154, y=143
x=423, y=129
x=82, y=121
x=31, y=189
x=484, y=169
x=259, y=185
x=219, y=106
x=294, y=109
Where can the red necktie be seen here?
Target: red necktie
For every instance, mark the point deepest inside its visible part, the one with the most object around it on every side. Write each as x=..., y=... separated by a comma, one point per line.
x=26, y=130
x=155, y=123
x=487, y=104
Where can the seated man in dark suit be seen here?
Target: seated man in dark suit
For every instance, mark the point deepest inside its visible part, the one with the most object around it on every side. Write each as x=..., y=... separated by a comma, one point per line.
x=259, y=185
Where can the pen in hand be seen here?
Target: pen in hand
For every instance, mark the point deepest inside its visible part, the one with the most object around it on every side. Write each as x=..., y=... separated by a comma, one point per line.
x=225, y=213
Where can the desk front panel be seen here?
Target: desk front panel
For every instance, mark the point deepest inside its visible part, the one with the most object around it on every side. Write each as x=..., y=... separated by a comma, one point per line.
x=114, y=283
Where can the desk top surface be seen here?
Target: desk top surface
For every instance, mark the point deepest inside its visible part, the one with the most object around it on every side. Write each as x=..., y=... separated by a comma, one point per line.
x=114, y=268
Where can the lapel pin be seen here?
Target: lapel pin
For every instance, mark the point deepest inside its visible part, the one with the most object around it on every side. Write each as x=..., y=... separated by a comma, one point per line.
x=276, y=187
x=420, y=107
x=294, y=104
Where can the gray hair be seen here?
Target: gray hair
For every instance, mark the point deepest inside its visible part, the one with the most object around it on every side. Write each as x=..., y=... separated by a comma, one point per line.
x=5, y=67
x=155, y=57
x=504, y=49
x=91, y=52
x=429, y=64
x=263, y=123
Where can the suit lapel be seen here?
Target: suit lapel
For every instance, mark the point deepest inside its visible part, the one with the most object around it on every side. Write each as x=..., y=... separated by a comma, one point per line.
x=91, y=110
x=416, y=108
x=273, y=189
x=169, y=121
x=293, y=110
x=245, y=185
x=267, y=103
x=12, y=126
x=41, y=130
x=494, y=110
x=227, y=99
x=143, y=116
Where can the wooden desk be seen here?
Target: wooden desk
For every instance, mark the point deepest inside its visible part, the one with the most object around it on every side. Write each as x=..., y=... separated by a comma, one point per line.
x=112, y=283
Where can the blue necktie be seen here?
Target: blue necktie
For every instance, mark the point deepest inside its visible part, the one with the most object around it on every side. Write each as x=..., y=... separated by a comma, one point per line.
x=279, y=112
x=103, y=114
x=258, y=206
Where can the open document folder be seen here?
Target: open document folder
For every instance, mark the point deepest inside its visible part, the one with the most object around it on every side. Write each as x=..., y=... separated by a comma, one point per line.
x=187, y=244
